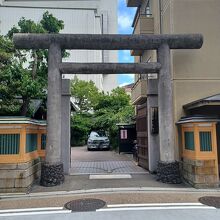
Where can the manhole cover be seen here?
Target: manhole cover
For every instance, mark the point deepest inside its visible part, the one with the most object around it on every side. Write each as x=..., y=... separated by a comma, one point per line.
x=85, y=205
x=210, y=201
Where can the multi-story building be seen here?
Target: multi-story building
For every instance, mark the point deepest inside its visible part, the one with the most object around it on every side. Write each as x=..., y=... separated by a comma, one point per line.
x=195, y=76
x=80, y=17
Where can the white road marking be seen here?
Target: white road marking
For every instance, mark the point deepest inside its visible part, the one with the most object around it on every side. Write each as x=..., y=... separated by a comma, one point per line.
x=35, y=213
x=31, y=209
x=110, y=176
x=154, y=208
x=153, y=204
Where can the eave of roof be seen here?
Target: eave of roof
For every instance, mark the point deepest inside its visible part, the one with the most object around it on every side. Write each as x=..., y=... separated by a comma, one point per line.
x=211, y=100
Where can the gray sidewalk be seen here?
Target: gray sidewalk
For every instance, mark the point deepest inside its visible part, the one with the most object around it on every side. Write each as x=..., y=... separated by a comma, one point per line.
x=85, y=162
x=82, y=182
x=111, y=196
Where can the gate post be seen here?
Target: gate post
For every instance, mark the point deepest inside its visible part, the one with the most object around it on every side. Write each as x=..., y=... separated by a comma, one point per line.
x=65, y=125
x=168, y=169
x=153, y=136
x=52, y=169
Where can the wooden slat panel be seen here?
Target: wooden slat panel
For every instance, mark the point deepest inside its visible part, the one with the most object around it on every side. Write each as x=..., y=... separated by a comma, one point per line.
x=142, y=140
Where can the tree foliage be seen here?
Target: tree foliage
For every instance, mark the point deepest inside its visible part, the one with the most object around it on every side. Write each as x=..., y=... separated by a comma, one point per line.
x=23, y=73
x=112, y=109
x=85, y=94
x=107, y=111
x=81, y=124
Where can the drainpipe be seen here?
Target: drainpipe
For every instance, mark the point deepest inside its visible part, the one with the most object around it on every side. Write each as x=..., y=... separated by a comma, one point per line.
x=161, y=19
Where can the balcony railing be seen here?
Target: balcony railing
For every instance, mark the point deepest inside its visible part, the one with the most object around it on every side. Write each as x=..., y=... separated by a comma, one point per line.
x=139, y=92
x=133, y=3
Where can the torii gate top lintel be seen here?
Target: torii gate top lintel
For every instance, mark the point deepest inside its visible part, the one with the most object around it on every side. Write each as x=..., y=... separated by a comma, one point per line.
x=107, y=42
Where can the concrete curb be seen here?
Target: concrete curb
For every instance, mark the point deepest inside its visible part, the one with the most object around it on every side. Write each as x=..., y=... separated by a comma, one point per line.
x=107, y=191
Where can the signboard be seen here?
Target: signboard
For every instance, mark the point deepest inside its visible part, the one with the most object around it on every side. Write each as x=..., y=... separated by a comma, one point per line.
x=124, y=134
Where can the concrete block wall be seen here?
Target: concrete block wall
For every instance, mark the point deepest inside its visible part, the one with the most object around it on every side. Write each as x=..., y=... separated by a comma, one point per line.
x=200, y=173
x=19, y=177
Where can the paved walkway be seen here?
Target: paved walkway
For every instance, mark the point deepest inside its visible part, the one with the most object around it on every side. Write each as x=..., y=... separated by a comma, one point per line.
x=113, y=167
x=106, y=162
x=102, y=162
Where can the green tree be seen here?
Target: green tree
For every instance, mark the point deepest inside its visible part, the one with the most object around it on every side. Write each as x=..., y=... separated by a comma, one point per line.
x=81, y=124
x=85, y=94
x=6, y=52
x=25, y=74
x=7, y=103
x=112, y=109
x=107, y=111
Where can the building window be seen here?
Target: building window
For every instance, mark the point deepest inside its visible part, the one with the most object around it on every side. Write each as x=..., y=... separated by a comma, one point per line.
x=43, y=141
x=9, y=143
x=205, y=138
x=189, y=140
x=31, y=142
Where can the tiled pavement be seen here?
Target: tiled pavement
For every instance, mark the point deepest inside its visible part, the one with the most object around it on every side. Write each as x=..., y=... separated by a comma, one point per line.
x=114, y=167
x=102, y=162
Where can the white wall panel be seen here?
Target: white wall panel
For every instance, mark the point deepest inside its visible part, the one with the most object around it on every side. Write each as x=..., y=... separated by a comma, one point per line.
x=80, y=17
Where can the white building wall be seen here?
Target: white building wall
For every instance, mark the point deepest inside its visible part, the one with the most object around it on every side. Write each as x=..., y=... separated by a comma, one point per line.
x=80, y=17
x=109, y=9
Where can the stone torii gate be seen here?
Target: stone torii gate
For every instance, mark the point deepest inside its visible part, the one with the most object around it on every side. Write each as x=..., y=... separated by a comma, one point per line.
x=52, y=169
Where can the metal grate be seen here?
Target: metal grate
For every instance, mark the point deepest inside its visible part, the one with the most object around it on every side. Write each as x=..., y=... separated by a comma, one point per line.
x=31, y=142
x=189, y=140
x=43, y=141
x=9, y=143
x=85, y=205
x=205, y=141
x=210, y=201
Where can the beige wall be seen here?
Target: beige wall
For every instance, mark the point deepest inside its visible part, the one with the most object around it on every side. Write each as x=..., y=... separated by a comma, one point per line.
x=156, y=15
x=196, y=73
x=198, y=16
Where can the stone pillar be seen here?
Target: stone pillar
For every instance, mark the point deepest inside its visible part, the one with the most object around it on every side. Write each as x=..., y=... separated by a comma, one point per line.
x=52, y=170
x=153, y=139
x=168, y=169
x=65, y=128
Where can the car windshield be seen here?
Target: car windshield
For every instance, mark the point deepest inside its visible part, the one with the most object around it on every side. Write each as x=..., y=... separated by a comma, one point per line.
x=97, y=134
x=94, y=134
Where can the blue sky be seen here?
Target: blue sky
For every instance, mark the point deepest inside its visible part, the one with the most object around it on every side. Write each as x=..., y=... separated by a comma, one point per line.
x=125, y=19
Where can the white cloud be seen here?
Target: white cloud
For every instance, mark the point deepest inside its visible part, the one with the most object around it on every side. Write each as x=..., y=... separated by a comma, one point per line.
x=124, y=84
x=131, y=76
x=125, y=21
